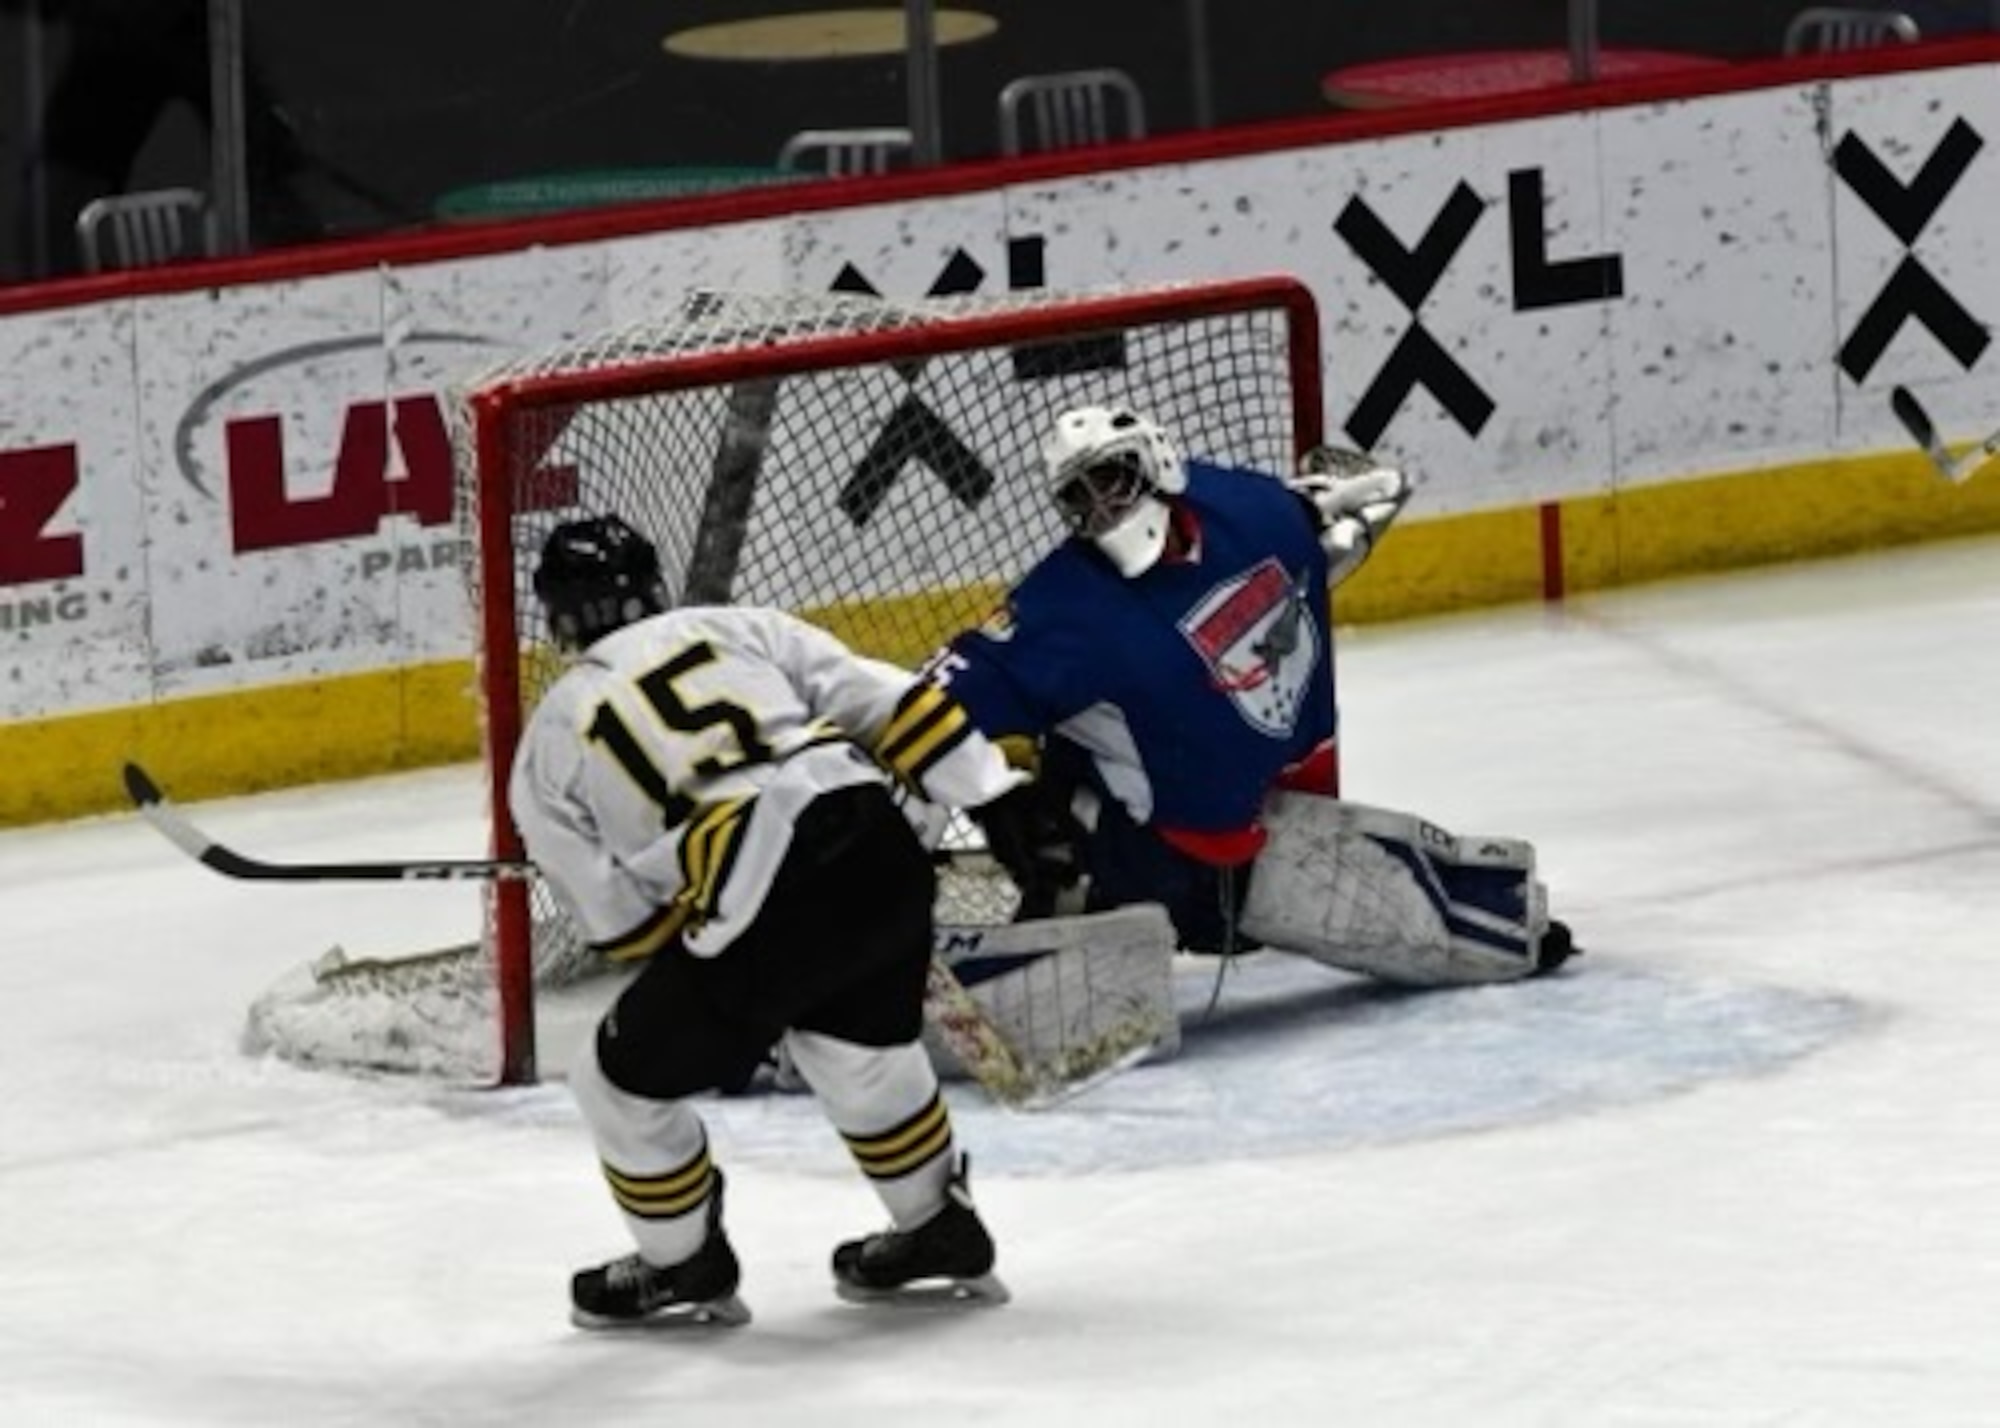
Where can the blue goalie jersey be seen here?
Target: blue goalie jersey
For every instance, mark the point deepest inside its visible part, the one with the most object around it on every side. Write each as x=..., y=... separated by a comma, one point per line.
x=1189, y=688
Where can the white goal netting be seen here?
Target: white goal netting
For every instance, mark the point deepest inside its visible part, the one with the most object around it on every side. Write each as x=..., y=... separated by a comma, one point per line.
x=869, y=464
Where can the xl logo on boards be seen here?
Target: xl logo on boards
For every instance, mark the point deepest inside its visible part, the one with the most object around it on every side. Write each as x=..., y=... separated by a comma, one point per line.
x=1413, y=273
x=916, y=433
x=1912, y=293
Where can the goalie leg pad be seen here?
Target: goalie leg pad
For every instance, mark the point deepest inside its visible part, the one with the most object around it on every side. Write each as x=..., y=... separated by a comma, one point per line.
x=1070, y=994
x=1387, y=894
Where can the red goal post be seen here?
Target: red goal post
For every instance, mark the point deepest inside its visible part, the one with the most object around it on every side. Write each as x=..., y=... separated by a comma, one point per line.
x=869, y=464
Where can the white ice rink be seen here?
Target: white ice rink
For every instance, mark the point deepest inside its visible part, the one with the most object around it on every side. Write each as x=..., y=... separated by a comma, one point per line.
x=1740, y=1166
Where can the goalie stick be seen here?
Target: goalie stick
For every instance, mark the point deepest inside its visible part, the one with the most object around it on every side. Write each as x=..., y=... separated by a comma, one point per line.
x=1910, y=412
x=980, y=1047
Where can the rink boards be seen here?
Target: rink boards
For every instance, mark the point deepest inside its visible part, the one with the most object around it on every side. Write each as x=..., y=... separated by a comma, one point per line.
x=1647, y=337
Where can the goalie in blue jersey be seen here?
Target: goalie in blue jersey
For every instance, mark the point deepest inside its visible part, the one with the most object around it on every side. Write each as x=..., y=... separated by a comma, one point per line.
x=1167, y=670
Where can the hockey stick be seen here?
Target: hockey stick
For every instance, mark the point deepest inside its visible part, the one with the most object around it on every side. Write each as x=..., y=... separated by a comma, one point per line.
x=988, y=1058
x=979, y=1046
x=160, y=811
x=986, y=1055
x=1910, y=412
x=1074, y=999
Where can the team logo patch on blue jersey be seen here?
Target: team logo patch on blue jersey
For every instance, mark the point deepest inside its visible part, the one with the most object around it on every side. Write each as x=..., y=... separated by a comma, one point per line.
x=1256, y=634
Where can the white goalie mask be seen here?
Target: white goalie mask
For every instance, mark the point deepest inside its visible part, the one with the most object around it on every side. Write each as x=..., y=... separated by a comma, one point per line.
x=1109, y=472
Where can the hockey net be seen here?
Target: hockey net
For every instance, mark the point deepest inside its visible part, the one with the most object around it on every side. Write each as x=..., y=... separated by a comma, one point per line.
x=868, y=464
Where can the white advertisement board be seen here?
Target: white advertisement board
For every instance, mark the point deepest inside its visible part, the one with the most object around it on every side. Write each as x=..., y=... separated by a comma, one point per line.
x=250, y=485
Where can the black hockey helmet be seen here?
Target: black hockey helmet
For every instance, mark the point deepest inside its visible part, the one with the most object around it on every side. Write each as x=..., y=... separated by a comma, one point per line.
x=597, y=575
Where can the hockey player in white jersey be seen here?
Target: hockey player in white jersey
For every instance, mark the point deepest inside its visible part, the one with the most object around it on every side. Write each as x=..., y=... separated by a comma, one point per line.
x=717, y=790
x=1171, y=666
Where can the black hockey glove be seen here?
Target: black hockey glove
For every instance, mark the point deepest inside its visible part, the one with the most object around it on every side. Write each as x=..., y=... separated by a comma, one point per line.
x=1035, y=841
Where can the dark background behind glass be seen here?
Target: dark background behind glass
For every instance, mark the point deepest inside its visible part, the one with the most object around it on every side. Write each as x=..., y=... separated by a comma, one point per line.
x=366, y=116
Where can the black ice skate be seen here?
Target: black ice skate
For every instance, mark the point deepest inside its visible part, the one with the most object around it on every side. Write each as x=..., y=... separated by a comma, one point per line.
x=629, y=1293
x=948, y=1259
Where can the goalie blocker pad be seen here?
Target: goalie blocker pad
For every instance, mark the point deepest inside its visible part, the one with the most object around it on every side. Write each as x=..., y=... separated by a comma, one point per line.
x=1070, y=995
x=1384, y=893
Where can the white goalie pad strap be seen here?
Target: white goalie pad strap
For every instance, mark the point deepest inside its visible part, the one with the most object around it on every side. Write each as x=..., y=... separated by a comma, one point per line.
x=1069, y=994
x=1385, y=893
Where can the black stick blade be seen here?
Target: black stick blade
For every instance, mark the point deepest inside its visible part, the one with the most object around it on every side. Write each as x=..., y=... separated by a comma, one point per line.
x=1910, y=412
x=140, y=787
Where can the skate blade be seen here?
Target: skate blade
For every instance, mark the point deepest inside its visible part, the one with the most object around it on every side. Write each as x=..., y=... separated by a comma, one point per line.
x=983, y=1291
x=728, y=1312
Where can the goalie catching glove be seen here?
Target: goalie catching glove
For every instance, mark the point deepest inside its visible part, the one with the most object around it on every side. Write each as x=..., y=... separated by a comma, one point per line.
x=1354, y=498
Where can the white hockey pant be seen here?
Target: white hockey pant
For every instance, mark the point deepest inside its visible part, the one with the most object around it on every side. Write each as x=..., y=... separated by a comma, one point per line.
x=1384, y=893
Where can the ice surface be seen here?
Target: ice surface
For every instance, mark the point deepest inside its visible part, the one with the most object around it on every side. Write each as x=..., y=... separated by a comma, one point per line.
x=1737, y=1167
